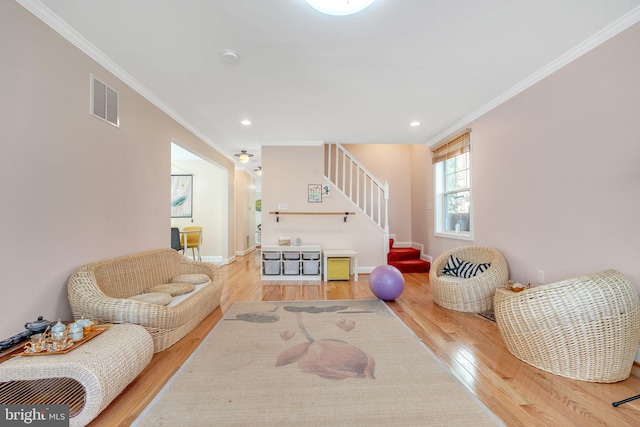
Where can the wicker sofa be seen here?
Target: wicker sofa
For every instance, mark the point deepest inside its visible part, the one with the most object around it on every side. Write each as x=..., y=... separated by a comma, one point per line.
x=585, y=328
x=100, y=291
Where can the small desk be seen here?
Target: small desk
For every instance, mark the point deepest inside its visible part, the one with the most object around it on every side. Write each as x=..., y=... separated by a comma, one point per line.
x=340, y=253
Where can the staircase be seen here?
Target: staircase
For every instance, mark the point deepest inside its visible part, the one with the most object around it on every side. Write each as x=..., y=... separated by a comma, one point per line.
x=359, y=186
x=371, y=198
x=407, y=260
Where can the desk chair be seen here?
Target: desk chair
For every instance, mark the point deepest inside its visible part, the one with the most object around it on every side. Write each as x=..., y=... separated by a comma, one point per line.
x=175, y=240
x=192, y=238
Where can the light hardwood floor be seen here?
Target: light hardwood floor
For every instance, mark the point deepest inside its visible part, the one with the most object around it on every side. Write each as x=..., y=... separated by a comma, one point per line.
x=469, y=345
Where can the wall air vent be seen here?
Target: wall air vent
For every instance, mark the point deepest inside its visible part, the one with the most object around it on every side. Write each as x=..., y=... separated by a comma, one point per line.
x=104, y=102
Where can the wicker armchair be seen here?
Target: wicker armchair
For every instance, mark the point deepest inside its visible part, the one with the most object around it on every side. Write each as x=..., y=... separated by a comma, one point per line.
x=584, y=328
x=476, y=293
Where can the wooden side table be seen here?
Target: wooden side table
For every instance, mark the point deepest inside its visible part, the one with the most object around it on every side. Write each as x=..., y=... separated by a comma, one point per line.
x=87, y=378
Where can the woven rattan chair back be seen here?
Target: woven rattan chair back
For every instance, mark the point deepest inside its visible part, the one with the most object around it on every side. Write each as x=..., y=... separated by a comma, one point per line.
x=585, y=328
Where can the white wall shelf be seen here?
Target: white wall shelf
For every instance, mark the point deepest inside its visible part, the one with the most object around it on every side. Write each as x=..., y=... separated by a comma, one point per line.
x=343, y=214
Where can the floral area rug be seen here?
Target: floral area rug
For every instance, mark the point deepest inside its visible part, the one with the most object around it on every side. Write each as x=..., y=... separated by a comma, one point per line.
x=314, y=363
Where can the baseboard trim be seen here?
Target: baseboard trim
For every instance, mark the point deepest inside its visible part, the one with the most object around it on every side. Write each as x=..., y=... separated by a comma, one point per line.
x=217, y=260
x=365, y=270
x=246, y=251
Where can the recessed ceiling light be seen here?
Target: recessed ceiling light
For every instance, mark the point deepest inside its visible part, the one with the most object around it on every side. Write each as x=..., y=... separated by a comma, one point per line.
x=340, y=7
x=246, y=122
x=414, y=124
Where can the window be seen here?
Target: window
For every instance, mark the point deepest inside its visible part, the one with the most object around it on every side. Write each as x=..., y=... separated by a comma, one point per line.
x=452, y=169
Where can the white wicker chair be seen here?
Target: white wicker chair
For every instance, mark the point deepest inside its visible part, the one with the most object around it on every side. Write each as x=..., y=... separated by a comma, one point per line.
x=476, y=293
x=585, y=328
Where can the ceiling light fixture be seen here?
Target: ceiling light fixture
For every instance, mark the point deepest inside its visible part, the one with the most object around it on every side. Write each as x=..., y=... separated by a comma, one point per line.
x=414, y=124
x=258, y=171
x=243, y=156
x=339, y=7
x=246, y=122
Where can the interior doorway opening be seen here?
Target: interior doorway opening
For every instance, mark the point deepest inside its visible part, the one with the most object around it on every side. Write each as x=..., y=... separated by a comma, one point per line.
x=208, y=200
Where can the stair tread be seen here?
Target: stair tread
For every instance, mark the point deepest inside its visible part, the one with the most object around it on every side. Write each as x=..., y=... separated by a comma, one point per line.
x=410, y=262
x=407, y=259
x=399, y=254
x=412, y=266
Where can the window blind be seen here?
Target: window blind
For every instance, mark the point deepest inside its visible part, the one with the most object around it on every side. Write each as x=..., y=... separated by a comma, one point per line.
x=449, y=149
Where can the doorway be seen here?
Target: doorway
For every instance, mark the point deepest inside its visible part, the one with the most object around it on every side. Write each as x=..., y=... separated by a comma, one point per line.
x=209, y=202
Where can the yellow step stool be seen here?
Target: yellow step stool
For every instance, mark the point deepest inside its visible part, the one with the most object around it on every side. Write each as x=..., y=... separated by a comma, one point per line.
x=338, y=268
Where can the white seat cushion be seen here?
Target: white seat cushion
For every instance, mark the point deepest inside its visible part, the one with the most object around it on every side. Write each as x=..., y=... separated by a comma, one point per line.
x=178, y=299
x=451, y=279
x=160, y=298
x=175, y=289
x=191, y=278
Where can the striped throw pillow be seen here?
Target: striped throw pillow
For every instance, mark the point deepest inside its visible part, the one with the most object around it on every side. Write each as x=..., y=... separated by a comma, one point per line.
x=459, y=268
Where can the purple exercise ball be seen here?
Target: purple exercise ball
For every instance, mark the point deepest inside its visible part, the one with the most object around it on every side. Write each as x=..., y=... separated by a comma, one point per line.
x=386, y=282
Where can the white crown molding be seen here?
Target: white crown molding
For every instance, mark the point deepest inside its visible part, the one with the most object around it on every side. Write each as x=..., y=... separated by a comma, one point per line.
x=589, y=44
x=307, y=143
x=61, y=27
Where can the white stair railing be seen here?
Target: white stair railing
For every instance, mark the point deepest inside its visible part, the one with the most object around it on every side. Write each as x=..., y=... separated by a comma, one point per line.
x=358, y=185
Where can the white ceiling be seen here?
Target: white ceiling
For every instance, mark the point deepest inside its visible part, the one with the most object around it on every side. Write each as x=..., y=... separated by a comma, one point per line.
x=304, y=76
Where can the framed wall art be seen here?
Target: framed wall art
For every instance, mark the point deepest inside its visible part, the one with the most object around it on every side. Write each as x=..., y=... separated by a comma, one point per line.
x=181, y=196
x=315, y=193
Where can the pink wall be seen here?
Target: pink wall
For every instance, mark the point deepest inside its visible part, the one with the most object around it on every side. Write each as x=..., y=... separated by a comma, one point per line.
x=555, y=171
x=388, y=163
x=74, y=189
x=287, y=172
x=245, y=212
x=421, y=196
